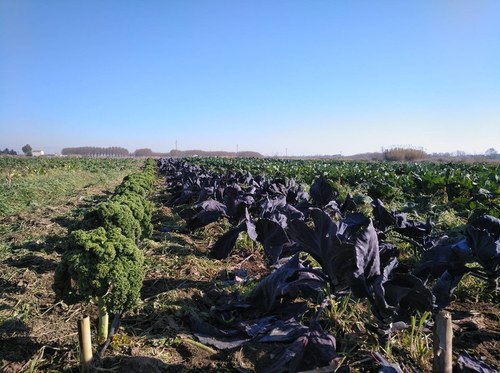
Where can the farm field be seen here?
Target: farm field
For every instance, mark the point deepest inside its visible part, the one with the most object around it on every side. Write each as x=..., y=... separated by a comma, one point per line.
x=204, y=268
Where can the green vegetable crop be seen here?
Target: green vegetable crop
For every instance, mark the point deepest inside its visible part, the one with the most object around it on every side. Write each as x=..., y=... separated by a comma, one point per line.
x=141, y=208
x=103, y=262
x=136, y=183
x=113, y=214
x=101, y=265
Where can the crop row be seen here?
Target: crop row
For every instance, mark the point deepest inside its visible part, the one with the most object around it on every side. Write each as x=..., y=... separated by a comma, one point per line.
x=466, y=187
x=323, y=246
x=102, y=262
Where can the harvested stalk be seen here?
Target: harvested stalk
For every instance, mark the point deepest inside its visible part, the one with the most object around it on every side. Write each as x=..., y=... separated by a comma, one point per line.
x=114, y=326
x=443, y=339
x=85, y=343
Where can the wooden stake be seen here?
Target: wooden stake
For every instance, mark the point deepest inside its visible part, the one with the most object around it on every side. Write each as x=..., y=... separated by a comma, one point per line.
x=443, y=340
x=85, y=343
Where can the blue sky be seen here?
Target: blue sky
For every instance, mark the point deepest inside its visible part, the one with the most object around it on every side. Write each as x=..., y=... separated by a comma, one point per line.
x=305, y=77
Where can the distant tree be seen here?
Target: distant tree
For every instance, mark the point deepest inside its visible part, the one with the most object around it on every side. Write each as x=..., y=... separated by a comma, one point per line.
x=175, y=153
x=93, y=151
x=491, y=153
x=8, y=151
x=28, y=150
x=144, y=152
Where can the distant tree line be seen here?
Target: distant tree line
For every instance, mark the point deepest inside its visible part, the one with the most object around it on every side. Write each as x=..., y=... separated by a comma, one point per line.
x=115, y=151
x=144, y=152
x=94, y=151
x=205, y=153
x=8, y=152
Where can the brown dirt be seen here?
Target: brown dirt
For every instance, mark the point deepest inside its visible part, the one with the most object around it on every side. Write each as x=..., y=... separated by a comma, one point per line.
x=476, y=329
x=36, y=331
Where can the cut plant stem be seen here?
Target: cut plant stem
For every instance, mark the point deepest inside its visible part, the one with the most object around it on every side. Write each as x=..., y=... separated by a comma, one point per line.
x=85, y=343
x=114, y=326
x=198, y=344
x=103, y=321
x=443, y=339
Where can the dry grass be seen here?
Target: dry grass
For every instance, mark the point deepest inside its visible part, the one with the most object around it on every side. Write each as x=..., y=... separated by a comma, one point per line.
x=404, y=154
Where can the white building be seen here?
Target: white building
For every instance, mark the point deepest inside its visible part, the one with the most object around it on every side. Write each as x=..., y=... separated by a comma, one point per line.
x=37, y=153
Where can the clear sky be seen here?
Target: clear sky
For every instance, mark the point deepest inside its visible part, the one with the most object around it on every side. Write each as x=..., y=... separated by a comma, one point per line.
x=302, y=77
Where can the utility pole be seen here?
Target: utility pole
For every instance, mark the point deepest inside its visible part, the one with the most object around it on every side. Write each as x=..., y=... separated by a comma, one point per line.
x=175, y=145
x=286, y=152
x=236, y=149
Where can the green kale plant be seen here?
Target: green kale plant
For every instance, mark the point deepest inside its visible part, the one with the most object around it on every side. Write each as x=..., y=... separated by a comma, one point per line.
x=114, y=214
x=141, y=209
x=136, y=183
x=103, y=266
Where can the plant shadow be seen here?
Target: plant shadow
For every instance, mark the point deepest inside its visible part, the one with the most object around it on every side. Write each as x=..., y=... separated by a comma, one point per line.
x=34, y=262
x=48, y=245
x=15, y=343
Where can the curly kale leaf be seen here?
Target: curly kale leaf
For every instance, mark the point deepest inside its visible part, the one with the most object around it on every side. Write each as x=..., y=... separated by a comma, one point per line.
x=100, y=264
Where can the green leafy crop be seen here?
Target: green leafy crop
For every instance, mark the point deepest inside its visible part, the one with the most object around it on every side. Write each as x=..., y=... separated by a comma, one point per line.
x=141, y=209
x=139, y=183
x=114, y=214
x=101, y=264
x=103, y=261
